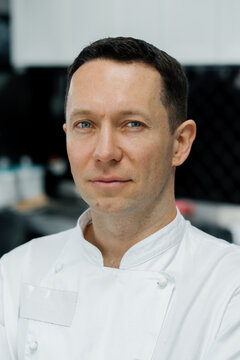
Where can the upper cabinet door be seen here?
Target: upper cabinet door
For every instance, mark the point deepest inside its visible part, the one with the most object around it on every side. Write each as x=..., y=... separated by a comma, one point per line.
x=52, y=32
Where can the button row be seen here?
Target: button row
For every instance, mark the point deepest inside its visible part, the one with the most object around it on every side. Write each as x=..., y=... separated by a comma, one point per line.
x=58, y=267
x=33, y=346
x=162, y=281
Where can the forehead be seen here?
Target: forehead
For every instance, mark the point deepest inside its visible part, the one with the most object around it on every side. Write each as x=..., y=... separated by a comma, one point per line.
x=115, y=84
x=109, y=72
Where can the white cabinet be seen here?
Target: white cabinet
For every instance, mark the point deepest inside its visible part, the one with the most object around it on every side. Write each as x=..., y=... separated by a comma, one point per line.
x=52, y=32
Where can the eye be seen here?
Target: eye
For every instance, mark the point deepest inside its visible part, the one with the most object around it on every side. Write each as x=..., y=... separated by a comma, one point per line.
x=134, y=124
x=84, y=124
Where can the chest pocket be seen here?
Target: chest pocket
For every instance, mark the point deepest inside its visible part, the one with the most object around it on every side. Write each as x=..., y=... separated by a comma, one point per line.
x=48, y=305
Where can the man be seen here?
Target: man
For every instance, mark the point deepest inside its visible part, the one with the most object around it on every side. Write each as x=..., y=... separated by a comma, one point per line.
x=133, y=280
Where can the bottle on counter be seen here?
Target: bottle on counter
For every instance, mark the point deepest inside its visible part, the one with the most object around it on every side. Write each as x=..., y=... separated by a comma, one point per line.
x=30, y=182
x=8, y=189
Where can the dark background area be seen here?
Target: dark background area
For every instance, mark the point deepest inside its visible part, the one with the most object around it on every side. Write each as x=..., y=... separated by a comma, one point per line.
x=212, y=171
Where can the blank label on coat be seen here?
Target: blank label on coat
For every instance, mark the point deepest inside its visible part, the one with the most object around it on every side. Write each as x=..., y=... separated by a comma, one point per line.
x=48, y=305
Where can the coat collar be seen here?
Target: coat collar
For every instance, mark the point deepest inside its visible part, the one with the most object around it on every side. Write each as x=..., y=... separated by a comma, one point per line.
x=144, y=250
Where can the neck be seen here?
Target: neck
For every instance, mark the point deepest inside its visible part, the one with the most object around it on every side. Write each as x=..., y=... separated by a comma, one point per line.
x=114, y=234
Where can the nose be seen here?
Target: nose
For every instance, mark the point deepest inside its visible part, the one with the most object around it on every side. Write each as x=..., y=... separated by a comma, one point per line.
x=107, y=148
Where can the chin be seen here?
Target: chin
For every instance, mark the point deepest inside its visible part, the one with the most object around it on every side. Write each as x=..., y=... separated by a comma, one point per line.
x=112, y=207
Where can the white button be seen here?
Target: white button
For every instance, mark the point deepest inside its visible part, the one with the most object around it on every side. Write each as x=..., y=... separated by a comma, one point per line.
x=162, y=281
x=33, y=346
x=58, y=267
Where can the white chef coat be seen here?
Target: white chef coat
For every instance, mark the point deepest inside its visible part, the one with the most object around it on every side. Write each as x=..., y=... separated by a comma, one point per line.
x=175, y=297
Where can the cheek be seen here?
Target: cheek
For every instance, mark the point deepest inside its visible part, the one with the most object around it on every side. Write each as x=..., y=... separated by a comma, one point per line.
x=72, y=152
x=146, y=164
x=155, y=162
x=77, y=155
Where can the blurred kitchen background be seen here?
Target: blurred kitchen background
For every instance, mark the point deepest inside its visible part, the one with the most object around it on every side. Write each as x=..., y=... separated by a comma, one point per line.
x=39, y=39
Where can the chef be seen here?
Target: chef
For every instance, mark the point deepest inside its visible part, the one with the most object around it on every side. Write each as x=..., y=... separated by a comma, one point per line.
x=133, y=280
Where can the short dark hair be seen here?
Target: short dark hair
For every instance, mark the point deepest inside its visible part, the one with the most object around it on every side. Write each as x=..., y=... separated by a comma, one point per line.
x=128, y=50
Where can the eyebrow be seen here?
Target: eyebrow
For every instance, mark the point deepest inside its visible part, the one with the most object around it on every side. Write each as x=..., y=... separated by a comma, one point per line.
x=80, y=112
x=133, y=112
x=128, y=112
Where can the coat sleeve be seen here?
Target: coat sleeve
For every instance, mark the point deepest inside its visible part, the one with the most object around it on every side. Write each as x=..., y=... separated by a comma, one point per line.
x=4, y=348
x=227, y=342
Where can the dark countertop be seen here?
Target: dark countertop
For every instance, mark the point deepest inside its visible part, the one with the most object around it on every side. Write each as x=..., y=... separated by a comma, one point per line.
x=18, y=227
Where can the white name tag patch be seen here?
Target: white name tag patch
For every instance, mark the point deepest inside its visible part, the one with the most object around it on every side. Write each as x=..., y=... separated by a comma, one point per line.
x=48, y=305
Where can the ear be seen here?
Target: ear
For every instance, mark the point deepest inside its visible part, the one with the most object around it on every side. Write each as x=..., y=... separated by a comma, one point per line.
x=65, y=128
x=183, y=139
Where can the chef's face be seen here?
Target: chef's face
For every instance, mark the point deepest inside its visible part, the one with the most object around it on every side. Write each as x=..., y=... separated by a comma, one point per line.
x=118, y=139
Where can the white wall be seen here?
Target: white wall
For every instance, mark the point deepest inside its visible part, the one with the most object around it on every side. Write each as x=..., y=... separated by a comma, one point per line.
x=52, y=32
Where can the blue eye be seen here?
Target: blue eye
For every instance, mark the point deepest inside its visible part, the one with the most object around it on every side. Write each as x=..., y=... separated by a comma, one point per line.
x=84, y=124
x=134, y=124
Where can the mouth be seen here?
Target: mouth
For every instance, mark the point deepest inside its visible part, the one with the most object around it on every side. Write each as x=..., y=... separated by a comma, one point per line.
x=109, y=183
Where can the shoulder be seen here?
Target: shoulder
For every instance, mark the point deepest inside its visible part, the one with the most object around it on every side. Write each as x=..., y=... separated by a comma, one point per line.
x=201, y=238
x=213, y=253
x=37, y=253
